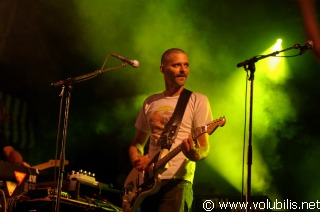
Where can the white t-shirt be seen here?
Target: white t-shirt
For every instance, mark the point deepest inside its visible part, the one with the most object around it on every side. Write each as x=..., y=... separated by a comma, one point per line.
x=156, y=112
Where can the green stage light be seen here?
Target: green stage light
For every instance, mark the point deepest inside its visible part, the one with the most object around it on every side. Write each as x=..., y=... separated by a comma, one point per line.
x=274, y=67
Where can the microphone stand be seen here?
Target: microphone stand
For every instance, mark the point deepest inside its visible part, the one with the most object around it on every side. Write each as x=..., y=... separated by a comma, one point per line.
x=250, y=65
x=68, y=85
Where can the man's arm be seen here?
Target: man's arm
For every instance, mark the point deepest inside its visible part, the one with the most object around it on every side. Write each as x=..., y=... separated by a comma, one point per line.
x=13, y=155
x=309, y=17
x=136, y=151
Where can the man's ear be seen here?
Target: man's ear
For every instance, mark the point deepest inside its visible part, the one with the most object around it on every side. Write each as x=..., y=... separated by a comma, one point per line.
x=161, y=68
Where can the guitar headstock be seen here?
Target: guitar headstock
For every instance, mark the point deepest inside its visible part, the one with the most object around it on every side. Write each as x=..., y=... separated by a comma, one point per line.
x=220, y=122
x=83, y=176
x=210, y=127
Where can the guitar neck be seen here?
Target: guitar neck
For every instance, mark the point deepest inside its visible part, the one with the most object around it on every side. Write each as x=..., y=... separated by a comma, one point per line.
x=162, y=162
x=40, y=166
x=49, y=164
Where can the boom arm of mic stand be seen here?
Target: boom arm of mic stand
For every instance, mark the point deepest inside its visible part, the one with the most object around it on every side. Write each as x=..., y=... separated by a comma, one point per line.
x=81, y=78
x=259, y=57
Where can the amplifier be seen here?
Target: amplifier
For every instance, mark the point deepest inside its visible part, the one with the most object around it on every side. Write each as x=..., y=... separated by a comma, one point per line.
x=80, y=189
x=77, y=190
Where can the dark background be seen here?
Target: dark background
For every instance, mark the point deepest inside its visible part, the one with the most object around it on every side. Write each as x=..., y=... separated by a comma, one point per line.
x=46, y=41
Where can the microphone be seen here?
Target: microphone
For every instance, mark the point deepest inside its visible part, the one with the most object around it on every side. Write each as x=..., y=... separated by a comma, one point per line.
x=133, y=63
x=307, y=45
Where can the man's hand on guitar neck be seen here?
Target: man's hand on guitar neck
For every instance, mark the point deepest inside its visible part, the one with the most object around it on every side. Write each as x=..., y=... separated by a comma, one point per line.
x=140, y=162
x=196, y=150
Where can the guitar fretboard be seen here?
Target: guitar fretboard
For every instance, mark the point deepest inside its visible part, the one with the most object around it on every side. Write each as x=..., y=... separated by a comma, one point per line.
x=162, y=162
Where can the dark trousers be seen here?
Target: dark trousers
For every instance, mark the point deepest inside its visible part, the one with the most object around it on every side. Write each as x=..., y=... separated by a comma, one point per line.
x=175, y=195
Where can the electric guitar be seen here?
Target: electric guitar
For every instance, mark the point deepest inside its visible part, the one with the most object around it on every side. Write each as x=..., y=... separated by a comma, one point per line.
x=139, y=185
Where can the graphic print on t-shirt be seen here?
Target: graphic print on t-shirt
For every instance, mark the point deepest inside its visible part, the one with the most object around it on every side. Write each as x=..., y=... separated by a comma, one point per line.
x=158, y=121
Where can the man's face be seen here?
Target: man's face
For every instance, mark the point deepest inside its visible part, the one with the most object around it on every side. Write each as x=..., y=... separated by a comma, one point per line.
x=176, y=69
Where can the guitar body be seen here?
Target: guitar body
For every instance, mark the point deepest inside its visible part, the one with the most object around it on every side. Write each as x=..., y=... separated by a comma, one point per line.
x=137, y=187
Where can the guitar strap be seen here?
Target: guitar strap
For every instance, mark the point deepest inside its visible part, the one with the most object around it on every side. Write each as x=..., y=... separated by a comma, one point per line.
x=171, y=129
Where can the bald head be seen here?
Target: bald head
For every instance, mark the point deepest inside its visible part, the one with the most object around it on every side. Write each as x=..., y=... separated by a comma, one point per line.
x=166, y=56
